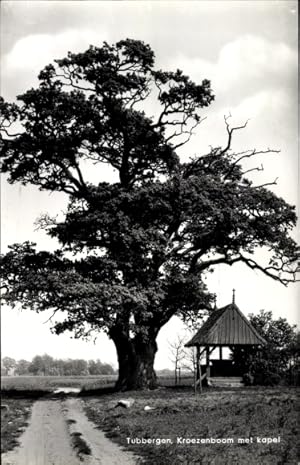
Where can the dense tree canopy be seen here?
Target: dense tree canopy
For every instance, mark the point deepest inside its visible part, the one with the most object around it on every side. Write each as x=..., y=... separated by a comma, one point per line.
x=8, y=364
x=279, y=358
x=139, y=246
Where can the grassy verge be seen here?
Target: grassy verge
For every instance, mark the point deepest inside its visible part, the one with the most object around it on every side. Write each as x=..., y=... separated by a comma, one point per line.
x=88, y=384
x=45, y=384
x=14, y=419
x=216, y=414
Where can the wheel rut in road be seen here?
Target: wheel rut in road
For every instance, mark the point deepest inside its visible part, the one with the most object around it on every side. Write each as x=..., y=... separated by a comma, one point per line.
x=49, y=438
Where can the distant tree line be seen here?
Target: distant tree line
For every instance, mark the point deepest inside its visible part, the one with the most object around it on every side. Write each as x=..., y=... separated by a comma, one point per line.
x=45, y=365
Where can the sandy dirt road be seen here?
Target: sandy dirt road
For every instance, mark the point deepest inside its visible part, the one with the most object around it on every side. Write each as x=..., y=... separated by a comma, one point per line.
x=48, y=438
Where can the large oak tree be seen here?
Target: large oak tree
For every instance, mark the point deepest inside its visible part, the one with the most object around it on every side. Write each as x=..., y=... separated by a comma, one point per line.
x=133, y=252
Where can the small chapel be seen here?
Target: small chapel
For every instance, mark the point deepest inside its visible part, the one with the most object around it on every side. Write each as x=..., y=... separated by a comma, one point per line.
x=226, y=327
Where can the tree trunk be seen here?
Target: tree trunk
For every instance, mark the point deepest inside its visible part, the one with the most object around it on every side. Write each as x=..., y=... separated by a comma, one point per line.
x=136, y=359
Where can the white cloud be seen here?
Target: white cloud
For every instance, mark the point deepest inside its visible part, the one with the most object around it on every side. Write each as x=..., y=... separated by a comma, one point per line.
x=36, y=50
x=268, y=112
x=253, y=58
x=274, y=103
x=30, y=54
x=244, y=66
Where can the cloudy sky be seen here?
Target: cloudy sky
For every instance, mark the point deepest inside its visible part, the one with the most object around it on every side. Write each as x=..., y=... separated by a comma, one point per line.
x=248, y=49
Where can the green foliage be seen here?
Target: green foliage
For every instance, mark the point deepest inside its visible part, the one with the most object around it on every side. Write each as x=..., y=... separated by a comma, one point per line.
x=140, y=246
x=96, y=367
x=45, y=365
x=7, y=364
x=22, y=367
x=278, y=333
x=277, y=359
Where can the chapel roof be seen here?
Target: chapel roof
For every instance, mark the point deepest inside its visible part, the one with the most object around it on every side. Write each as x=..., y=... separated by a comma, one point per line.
x=226, y=326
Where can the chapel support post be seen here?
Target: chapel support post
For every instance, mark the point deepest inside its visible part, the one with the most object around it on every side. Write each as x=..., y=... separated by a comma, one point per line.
x=199, y=375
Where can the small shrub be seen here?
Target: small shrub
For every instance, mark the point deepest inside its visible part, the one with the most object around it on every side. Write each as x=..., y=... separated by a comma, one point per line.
x=248, y=379
x=267, y=378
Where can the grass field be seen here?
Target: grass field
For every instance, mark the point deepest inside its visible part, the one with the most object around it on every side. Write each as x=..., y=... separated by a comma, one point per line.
x=248, y=414
x=49, y=383
x=39, y=384
x=234, y=414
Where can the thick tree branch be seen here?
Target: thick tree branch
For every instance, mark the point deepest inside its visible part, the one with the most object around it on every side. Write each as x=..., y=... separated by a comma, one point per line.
x=226, y=260
x=17, y=134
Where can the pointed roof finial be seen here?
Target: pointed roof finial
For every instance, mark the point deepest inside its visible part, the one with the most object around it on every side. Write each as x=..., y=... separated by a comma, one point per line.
x=233, y=296
x=215, y=301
